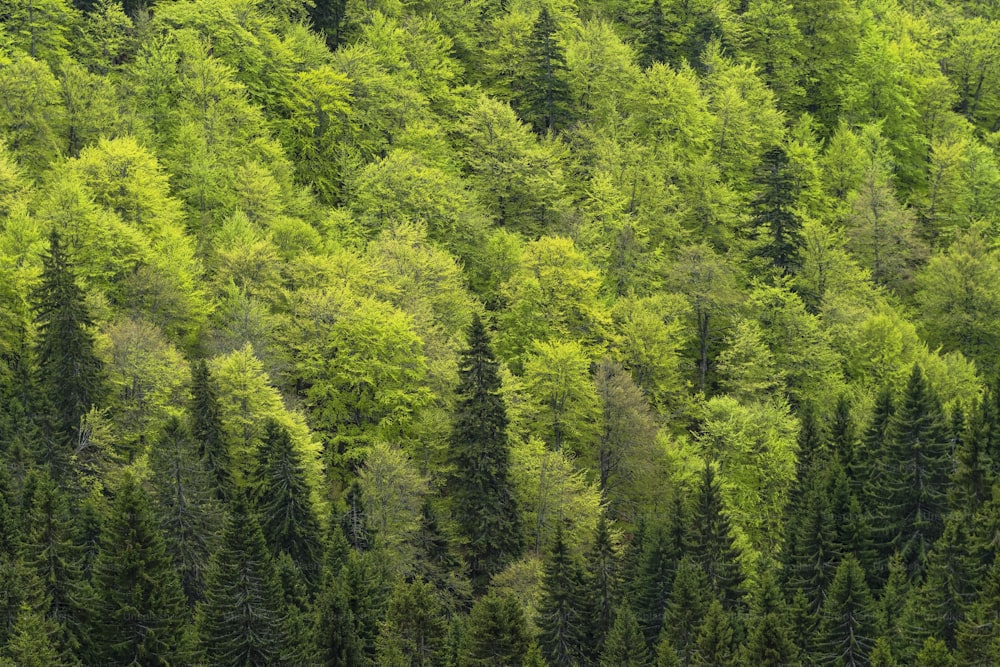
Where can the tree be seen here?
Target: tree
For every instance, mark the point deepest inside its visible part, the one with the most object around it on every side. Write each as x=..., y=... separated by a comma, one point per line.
x=653, y=42
x=542, y=92
x=686, y=608
x=776, y=221
x=557, y=377
x=139, y=612
x=846, y=633
x=715, y=638
x=283, y=503
x=562, y=609
x=602, y=587
x=206, y=429
x=328, y=19
x=714, y=548
x=496, y=633
x=769, y=640
x=483, y=501
x=241, y=620
x=71, y=372
x=915, y=485
x=625, y=645
x=414, y=630
x=185, y=505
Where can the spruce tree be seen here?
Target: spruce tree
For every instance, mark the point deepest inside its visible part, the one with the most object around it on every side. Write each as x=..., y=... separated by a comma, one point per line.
x=139, y=611
x=206, y=429
x=917, y=464
x=654, y=578
x=686, y=608
x=496, y=633
x=354, y=521
x=625, y=645
x=777, y=225
x=602, y=587
x=335, y=628
x=71, y=374
x=811, y=560
x=327, y=18
x=562, y=609
x=414, y=627
x=185, y=505
x=980, y=628
x=770, y=640
x=715, y=643
x=972, y=478
x=714, y=545
x=541, y=91
x=241, y=620
x=846, y=633
x=284, y=504
x=653, y=46
x=482, y=497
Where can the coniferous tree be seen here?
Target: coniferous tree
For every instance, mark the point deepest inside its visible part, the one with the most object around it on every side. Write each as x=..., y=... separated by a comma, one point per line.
x=139, y=611
x=972, y=478
x=602, y=587
x=811, y=560
x=714, y=545
x=414, y=628
x=892, y=606
x=650, y=589
x=242, y=618
x=354, y=521
x=483, y=500
x=284, y=504
x=368, y=585
x=542, y=93
x=846, y=633
x=206, y=429
x=980, y=628
x=715, y=643
x=335, y=628
x=653, y=46
x=913, y=490
x=777, y=225
x=327, y=18
x=625, y=645
x=496, y=633
x=185, y=506
x=686, y=608
x=769, y=641
x=72, y=375
x=562, y=610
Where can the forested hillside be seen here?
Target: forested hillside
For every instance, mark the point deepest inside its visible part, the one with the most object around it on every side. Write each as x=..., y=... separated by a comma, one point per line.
x=499, y=332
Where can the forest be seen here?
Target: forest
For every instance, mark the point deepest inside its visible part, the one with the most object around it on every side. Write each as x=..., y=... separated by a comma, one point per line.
x=524, y=333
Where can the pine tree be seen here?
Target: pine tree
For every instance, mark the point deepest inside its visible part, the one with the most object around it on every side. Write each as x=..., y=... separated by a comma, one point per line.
x=354, y=521
x=770, y=640
x=29, y=644
x=980, y=629
x=543, y=96
x=241, y=621
x=602, y=586
x=811, y=561
x=496, y=633
x=972, y=479
x=561, y=611
x=777, y=225
x=653, y=46
x=934, y=653
x=185, y=505
x=845, y=632
x=686, y=608
x=482, y=497
x=913, y=493
x=206, y=429
x=715, y=639
x=650, y=589
x=714, y=545
x=414, y=627
x=625, y=645
x=71, y=373
x=335, y=628
x=284, y=504
x=327, y=18
x=139, y=609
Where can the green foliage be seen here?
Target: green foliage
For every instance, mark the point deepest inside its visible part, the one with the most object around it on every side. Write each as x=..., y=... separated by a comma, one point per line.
x=495, y=633
x=625, y=645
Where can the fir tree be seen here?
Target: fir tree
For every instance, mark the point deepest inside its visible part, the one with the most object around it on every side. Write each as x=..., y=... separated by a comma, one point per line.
x=354, y=521
x=72, y=375
x=625, y=645
x=811, y=560
x=414, y=627
x=139, y=609
x=913, y=493
x=602, y=586
x=327, y=18
x=875, y=445
x=241, y=621
x=714, y=544
x=845, y=631
x=881, y=655
x=284, y=503
x=30, y=644
x=972, y=478
x=483, y=501
x=715, y=643
x=654, y=578
x=185, y=505
x=334, y=627
x=206, y=429
x=653, y=46
x=686, y=608
x=561, y=617
x=777, y=225
x=980, y=628
x=542, y=93
x=496, y=633
x=368, y=585
x=769, y=641
x=934, y=653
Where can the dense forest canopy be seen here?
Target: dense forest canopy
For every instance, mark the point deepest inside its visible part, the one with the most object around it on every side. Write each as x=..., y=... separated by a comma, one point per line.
x=499, y=332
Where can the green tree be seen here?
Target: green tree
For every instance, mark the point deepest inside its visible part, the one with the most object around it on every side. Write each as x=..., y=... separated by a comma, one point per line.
x=714, y=547
x=207, y=431
x=625, y=645
x=777, y=226
x=602, y=586
x=653, y=46
x=496, y=633
x=543, y=95
x=283, y=503
x=483, y=502
x=139, y=609
x=414, y=631
x=562, y=609
x=71, y=373
x=845, y=631
x=557, y=377
x=185, y=506
x=686, y=609
x=328, y=19
x=715, y=643
x=769, y=640
x=241, y=620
